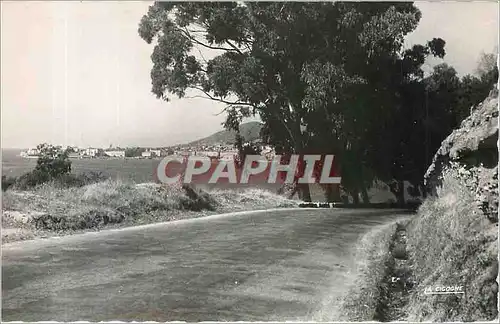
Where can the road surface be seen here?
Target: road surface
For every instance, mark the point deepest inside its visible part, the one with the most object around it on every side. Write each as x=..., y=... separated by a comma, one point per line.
x=256, y=266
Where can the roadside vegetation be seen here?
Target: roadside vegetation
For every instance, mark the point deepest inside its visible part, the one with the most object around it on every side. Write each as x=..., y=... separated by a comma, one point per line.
x=48, y=207
x=452, y=242
x=449, y=242
x=51, y=200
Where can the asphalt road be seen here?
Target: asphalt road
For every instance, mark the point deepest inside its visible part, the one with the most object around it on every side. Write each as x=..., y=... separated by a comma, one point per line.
x=256, y=266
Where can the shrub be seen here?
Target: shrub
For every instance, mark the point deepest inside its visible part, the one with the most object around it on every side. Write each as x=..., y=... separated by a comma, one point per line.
x=7, y=182
x=53, y=161
x=196, y=200
x=31, y=180
x=78, y=180
x=36, y=178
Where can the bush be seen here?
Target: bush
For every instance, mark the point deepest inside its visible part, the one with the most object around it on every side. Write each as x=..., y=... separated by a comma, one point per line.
x=30, y=180
x=36, y=178
x=196, y=200
x=52, y=164
x=53, y=161
x=86, y=218
x=7, y=182
x=79, y=180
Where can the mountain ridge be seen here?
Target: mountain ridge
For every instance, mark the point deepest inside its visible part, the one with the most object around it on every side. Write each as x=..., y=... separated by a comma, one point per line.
x=250, y=131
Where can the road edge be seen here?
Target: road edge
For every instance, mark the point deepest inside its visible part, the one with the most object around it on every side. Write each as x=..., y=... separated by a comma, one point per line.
x=109, y=231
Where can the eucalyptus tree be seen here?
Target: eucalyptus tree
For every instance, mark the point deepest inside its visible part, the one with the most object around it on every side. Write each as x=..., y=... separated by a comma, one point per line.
x=332, y=67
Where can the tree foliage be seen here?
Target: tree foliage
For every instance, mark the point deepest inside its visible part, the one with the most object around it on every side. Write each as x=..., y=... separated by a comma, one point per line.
x=53, y=164
x=134, y=151
x=52, y=161
x=431, y=108
x=245, y=148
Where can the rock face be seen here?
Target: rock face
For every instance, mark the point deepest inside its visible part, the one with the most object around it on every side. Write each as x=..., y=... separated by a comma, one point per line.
x=487, y=194
x=474, y=147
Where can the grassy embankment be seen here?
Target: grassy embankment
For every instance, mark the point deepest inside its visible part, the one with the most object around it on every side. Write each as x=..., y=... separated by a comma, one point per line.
x=448, y=242
x=51, y=210
x=452, y=242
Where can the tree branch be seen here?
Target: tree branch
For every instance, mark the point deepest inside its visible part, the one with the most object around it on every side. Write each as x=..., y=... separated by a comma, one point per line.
x=197, y=31
x=234, y=47
x=222, y=111
x=237, y=103
x=192, y=38
x=202, y=57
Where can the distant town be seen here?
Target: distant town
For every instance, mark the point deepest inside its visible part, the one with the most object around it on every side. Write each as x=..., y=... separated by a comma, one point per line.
x=222, y=151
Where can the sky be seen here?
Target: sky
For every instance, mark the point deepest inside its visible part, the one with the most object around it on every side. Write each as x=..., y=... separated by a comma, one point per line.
x=77, y=73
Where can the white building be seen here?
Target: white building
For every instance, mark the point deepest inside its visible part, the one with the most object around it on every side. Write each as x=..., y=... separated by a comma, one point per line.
x=183, y=153
x=33, y=151
x=120, y=154
x=151, y=153
x=90, y=152
x=30, y=153
x=155, y=153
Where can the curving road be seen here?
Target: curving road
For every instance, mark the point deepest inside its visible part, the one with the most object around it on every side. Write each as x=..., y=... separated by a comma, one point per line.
x=255, y=266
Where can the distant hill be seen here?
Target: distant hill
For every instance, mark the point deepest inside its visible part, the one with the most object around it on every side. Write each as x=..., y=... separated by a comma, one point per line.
x=250, y=131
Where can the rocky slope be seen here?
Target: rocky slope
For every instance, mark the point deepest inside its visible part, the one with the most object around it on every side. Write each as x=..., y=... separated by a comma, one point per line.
x=453, y=239
x=474, y=147
x=473, y=144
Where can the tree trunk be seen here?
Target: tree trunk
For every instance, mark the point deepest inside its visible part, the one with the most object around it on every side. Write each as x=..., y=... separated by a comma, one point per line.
x=398, y=189
x=294, y=191
x=304, y=192
x=364, y=194
x=303, y=188
x=355, y=197
x=400, y=193
x=332, y=193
